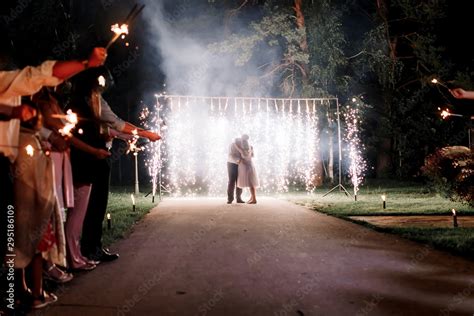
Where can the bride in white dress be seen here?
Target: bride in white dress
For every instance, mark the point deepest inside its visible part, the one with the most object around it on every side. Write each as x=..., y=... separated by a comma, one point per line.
x=247, y=177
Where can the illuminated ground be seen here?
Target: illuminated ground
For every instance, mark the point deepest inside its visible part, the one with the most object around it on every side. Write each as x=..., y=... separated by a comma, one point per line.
x=203, y=257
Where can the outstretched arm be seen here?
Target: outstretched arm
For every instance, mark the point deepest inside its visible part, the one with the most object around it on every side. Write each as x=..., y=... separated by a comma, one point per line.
x=115, y=122
x=66, y=69
x=129, y=128
x=29, y=80
x=23, y=112
x=459, y=93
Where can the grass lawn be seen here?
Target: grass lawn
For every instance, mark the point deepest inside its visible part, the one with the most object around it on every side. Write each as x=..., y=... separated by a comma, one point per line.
x=402, y=200
x=122, y=216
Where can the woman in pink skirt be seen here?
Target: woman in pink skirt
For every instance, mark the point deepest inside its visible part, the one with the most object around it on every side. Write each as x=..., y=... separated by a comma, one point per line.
x=247, y=174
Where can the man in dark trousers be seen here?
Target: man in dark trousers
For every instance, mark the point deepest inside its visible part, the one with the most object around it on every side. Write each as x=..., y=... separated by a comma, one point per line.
x=91, y=242
x=233, y=161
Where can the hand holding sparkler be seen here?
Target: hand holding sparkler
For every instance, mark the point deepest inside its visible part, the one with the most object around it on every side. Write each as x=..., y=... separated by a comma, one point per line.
x=66, y=69
x=24, y=112
x=459, y=93
x=151, y=136
x=97, y=57
x=101, y=153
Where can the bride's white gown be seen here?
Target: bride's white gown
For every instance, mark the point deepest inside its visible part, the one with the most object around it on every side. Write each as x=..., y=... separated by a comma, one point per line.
x=247, y=174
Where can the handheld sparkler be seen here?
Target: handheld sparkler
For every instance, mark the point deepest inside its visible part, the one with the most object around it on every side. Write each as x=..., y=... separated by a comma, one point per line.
x=132, y=147
x=122, y=29
x=446, y=113
x=439, y=82
x=71, y=121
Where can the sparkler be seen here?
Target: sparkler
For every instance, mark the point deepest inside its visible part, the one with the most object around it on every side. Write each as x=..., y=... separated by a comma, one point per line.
x=436, y=81
x=445, y=114
x=122, y=29
x=30, y=151
x=71, y=121
x=119, y=31
x=132, y=147
x=101, y=81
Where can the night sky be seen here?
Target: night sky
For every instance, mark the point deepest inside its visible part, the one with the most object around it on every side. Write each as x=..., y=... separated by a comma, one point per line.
x=40, y=26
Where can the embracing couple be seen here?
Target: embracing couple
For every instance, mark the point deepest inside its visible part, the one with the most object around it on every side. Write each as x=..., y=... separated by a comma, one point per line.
x=241, y=171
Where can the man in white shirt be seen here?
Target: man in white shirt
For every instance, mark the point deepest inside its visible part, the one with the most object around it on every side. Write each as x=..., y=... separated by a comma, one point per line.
x=233, y=161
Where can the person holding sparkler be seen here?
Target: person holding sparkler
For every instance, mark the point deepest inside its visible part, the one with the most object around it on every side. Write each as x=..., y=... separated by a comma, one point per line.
x=91, y=242
x=91, y=174
x=28, y=170
x=56, y=120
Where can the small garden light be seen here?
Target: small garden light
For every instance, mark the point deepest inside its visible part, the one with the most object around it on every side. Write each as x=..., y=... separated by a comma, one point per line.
x=109, y=221
x=133, y=201
x=455, y=218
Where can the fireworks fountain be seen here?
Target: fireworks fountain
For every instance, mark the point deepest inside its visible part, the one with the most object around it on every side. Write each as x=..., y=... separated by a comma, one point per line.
x=284, y=133
x=355, y=146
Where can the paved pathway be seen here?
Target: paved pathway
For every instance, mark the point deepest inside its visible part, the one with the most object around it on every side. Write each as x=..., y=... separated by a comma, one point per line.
x=203, y=257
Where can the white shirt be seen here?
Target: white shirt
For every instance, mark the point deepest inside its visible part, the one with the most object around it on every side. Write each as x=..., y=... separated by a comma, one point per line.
x=13, y=85
x=109, y=117
x=234, y=154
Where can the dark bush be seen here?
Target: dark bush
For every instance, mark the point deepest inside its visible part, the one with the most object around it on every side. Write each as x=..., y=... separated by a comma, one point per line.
x=451, y=172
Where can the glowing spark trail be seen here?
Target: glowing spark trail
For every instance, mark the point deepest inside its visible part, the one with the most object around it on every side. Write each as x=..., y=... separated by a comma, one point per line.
x=30, y=151
x=132, y=144
x=71, y=121
x=445, y=114
x=118, y=31
x=436, y=81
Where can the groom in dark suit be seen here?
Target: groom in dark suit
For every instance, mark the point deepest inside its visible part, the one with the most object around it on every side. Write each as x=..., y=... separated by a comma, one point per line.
x=233, y=161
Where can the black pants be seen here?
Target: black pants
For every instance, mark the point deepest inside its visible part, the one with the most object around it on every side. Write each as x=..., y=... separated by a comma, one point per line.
x=233, y=171
x=92, y=230
x=6, y=199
